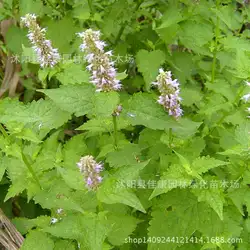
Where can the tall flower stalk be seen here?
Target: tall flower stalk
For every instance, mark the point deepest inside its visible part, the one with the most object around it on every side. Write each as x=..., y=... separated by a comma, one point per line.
x=170, y=91
x=46, y=54
x=91, y=171
x=103, y=73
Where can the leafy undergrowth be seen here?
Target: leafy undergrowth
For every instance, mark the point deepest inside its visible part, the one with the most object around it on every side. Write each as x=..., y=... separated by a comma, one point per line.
x=130, y=130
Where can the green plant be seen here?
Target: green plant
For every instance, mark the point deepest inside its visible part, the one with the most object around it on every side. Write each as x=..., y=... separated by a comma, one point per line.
x=172, y=174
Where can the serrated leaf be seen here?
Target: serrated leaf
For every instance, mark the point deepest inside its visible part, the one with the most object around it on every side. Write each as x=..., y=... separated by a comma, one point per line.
x=175, y=177
x=104, y=104
x=122, y=227
x=149, y=64
x=73, y=150
x=142, y=109
x=73, y=74
x=74, y=99
x=57, y=196
x=104, y=124
x=112, y=192
x=64, y=245
x=31, y=6
x=73, y=178
x=3, y=167
x=89, y=229
x=214, y=197
x=124, y=156
x=185, y=216
x=39, y=115
x=38, y=241
x=24, y=225
x=203, y=34
x=61, y=33
x=203, y=164
x=130, y=172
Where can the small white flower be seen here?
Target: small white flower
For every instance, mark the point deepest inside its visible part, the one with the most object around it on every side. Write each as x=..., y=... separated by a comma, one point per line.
x=53, y=220
x=59, y=210
x=246, y=97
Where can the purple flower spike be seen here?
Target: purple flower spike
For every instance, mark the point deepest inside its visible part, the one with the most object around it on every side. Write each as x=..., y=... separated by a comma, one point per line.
x=169, y=90
x=91, y=171
x=46, y=54
x=100, y=63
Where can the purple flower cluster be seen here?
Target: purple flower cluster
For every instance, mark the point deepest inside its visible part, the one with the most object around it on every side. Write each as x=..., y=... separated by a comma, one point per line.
x=91, y=171
x=47, y=56
x=170, y=91
x=100, y=64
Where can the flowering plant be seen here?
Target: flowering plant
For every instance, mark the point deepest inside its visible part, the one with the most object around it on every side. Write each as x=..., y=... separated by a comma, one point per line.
x=146, y=153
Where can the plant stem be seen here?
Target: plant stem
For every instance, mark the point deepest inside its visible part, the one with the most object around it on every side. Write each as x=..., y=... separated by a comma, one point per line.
x=125, y=24
x=90, y=7
x=217, y=30
x=53, y=7
x=170, y=137
x=25, y=160
x=115, y=132
x=3, y=131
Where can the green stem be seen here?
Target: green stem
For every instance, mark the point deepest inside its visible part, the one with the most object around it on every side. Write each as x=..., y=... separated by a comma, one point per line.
x=3, y=131
x=90, y=7
x=170, y=137
x=115, y=131
x=125, y=24
x=53, y=7
x=217, y=30
x=23, y=157
x=25, y=160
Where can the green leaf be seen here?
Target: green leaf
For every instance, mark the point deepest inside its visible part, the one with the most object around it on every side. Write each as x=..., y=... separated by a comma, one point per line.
x=57, y=196
x=24, y=225
x=112, y=192
x=178, y=213
x=171, y=16
x=131, y=172
x=74, y=99
x=3, y=167
x=31, y=6
x=104, y=124
x=73, y=74
x=213, y=196
x=175, y=177
x=124, y=156
x=142, y=109
x=234, y=21
x=29, y=135
x=64, y=245
x=121, y=76
x=122, y=227
x=149, y=64
x=73, y=178
x=203, y=164
x=240, y=197
x=40, y=115
x=90, y=230
x=15, y=38
x=104, y=104
x=38, y=241
x=73, y=150
x=203, y=34
x=61, y=33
